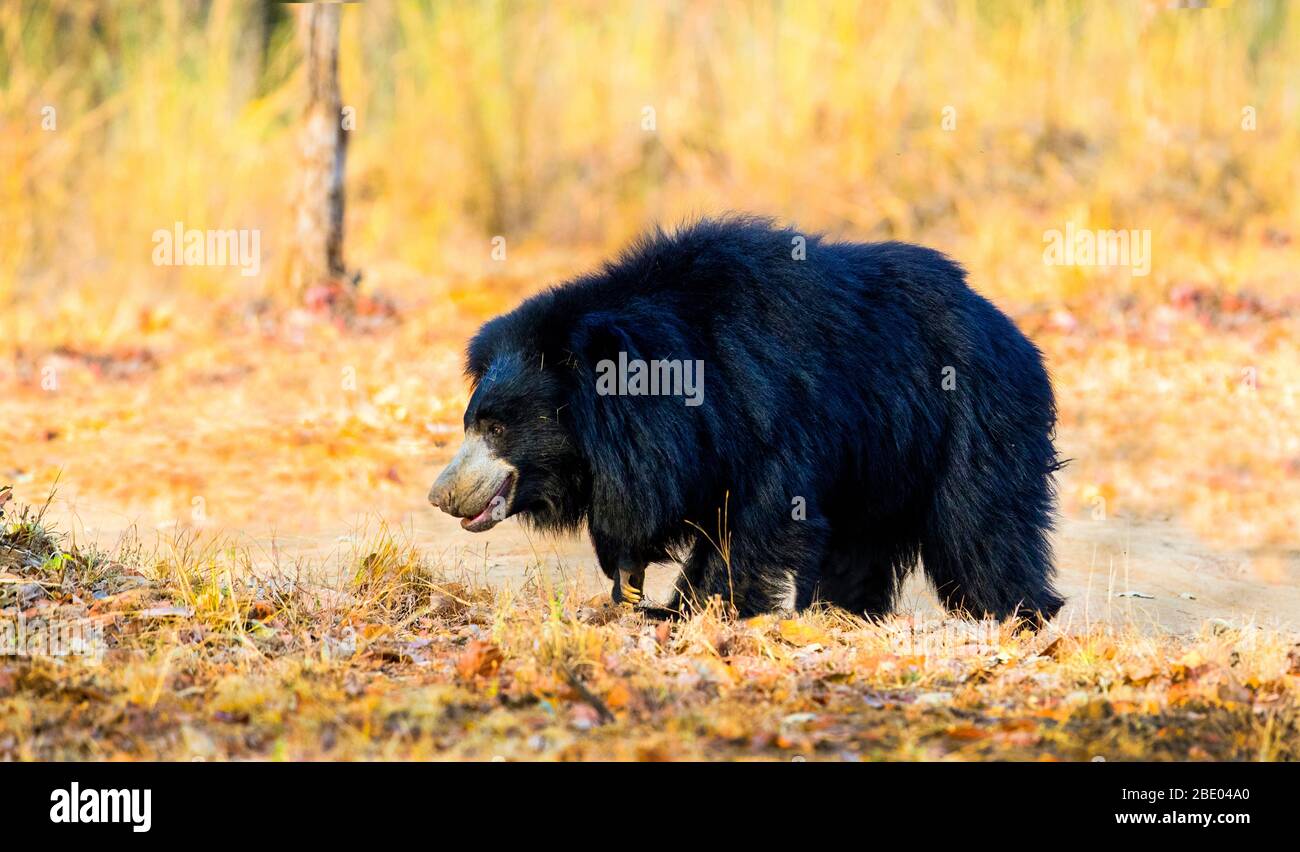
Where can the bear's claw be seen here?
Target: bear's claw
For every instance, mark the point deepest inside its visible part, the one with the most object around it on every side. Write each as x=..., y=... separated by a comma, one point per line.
x=628, y=588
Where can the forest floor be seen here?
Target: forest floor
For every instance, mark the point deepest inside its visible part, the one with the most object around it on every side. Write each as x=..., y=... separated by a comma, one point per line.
x=239, y=547
x=191, y=651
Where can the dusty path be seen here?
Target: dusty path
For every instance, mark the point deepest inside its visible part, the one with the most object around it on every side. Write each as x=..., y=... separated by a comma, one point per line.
x=1189, y=582
x=1180, y=583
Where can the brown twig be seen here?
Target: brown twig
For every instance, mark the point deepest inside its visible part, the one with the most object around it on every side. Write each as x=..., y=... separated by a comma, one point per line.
x=588, y=696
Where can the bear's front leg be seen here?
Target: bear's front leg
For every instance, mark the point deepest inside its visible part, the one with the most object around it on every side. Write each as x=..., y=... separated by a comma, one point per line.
x=629, y=586
x=625, y=568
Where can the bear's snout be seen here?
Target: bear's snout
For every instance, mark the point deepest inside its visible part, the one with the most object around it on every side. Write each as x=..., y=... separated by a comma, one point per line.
x=451, y=490
x=476, y=485
x=440, y=492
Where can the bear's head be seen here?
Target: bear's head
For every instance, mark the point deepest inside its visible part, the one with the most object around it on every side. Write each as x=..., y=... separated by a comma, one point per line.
x=518, y=456
x=546, y=440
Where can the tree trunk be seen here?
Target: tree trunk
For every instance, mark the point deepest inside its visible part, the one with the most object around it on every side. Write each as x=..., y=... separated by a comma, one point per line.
x=316, y=253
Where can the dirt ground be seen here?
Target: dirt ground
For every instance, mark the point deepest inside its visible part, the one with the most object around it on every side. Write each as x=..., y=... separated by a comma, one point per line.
x=297, y=430
x=294, y=437
x=1145, y=573
x=1151, y=574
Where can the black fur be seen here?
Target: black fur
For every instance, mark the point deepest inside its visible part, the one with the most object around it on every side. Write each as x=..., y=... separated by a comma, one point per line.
x=823, y=387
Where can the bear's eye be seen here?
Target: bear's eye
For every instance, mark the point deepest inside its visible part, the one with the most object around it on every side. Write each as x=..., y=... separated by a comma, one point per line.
x=496, y=430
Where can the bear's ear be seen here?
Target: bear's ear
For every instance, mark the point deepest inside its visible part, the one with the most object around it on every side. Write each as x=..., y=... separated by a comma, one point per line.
x=601, y=337
x=484, y=347
x=627, y=439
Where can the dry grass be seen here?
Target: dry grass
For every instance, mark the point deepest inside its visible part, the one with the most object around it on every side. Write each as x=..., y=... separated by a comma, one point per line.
x=194, y=656
x=178, y=398
x=169, y=394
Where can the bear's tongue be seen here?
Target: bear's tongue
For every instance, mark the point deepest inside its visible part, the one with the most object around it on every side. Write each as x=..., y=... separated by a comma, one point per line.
x=484, y=520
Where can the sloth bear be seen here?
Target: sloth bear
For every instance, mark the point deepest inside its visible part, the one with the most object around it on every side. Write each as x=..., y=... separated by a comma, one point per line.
x=795, y=419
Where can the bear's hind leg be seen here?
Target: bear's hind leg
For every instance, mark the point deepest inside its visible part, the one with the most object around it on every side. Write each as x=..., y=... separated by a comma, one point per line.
x=865, y=577
x=687, y=587
x=987, y=552
x=706, y=575
x=768, y=573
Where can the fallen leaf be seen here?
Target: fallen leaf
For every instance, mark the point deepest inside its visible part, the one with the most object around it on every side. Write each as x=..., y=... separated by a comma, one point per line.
x=1142, y=674
x=663, y=632
x=798, y=632
x=618, y=697
x=375, y=631
x=728, y=728
x=131, y=599
x=260, y=610
x=713, y=670
x=478, y=658
x=1053, y=650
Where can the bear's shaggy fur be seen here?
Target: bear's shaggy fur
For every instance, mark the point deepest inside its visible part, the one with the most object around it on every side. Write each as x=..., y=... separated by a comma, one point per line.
x=861, y=409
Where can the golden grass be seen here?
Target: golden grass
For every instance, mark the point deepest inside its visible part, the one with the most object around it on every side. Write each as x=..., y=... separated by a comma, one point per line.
x=199, y=658
x=172, y=397
x=523, y=120
x=526, y=120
